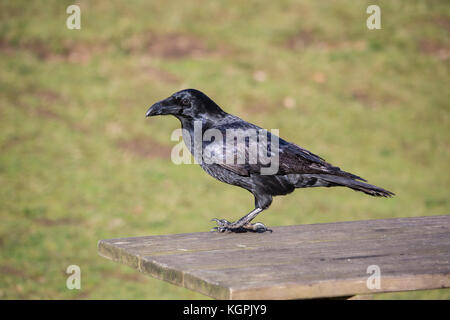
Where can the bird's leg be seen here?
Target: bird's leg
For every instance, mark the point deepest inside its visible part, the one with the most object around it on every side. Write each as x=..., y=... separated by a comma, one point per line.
x=242, y=225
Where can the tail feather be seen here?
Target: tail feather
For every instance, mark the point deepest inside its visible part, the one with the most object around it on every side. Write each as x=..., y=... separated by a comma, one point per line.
x=358, y=186
x=328, y=180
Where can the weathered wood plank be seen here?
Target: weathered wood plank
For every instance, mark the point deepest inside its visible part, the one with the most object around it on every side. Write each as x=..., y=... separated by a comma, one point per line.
x=306, y=261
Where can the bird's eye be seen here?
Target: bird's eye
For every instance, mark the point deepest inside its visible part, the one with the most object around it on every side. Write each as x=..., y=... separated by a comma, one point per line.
x=185, y=102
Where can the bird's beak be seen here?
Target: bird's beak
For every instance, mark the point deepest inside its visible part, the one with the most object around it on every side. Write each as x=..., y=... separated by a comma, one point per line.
x=163, y=107
x=155, y=110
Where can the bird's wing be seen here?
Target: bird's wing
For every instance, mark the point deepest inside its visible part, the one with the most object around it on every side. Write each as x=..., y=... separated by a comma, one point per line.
x=231, y=157
x=295, y=159
x=254, y=155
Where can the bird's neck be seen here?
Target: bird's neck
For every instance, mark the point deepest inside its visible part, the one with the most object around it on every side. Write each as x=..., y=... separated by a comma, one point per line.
x=202, y=124
x=194, y=129
x=190, y=129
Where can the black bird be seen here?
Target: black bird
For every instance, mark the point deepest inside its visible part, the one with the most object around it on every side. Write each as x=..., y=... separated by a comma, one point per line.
x=295, y=167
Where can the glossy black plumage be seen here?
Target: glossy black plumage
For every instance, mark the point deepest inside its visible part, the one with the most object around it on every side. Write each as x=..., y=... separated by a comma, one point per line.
x=297, y=167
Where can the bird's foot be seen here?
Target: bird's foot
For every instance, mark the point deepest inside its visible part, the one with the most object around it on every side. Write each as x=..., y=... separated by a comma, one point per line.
x=224, y=225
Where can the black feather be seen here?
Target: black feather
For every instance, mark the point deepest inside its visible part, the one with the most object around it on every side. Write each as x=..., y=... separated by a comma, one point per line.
x=298, y=167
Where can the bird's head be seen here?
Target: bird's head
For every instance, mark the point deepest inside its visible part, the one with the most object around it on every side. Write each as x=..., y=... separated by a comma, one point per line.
x=189, y=104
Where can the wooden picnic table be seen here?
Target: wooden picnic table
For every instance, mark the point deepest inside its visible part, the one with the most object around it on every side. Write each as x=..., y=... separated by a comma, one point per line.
x=296, y=262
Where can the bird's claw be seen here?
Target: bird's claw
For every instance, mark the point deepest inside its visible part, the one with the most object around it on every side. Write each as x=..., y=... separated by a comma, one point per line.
x=224, y=225
x=257, y=227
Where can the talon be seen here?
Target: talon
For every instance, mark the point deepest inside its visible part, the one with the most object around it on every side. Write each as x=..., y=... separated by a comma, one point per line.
x=257, y=227
x=224, y=225
x=221, y=222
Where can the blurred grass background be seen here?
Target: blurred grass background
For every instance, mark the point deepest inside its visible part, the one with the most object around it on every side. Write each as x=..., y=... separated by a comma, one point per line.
x=79, y=162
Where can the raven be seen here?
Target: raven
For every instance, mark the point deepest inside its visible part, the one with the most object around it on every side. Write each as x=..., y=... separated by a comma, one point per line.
x=296, y=167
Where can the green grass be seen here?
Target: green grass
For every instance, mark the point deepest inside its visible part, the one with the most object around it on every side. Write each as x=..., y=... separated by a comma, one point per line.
x=79, y=162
